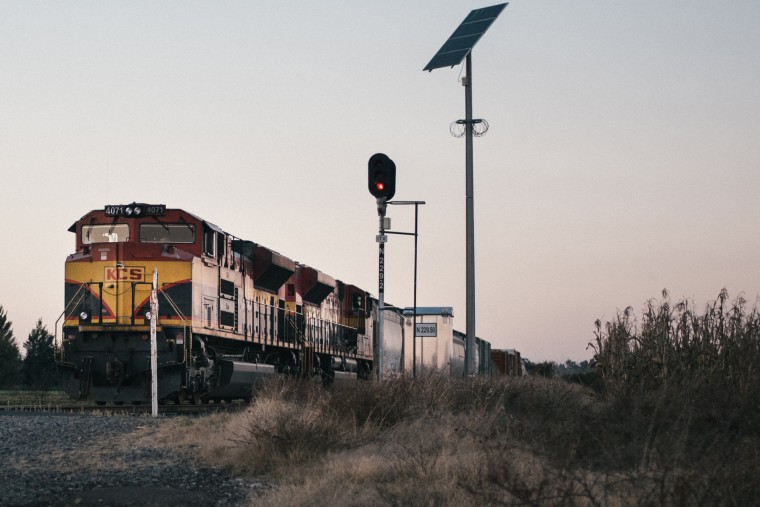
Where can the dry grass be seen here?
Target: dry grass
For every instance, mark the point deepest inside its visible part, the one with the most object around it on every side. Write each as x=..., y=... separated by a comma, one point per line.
x=439, y=441
x=36, y=398
x=676, y=421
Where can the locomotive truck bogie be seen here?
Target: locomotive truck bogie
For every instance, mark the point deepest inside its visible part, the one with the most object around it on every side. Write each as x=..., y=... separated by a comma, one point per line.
x=112, y=366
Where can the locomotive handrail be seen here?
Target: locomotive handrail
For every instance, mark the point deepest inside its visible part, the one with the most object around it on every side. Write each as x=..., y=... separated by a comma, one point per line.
x=174, y=306
x=65, y=309
x=331, y=333
x=100, y=301
x=184, y=321
x=132, y=310
x=290, y=317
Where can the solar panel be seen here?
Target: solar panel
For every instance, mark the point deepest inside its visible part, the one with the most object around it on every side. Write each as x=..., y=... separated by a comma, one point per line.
x=465, y=37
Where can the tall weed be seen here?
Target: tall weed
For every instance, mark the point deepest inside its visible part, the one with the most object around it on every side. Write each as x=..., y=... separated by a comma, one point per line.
x=674, y=344
x=676, y=421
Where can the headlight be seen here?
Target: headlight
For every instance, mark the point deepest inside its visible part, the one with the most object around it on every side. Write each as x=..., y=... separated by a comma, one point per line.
x=148, y=315
x=128, y=211
x=137, y=210
x=84, y=316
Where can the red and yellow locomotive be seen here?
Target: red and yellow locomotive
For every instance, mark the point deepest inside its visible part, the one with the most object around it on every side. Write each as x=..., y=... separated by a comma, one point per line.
x=229, y=311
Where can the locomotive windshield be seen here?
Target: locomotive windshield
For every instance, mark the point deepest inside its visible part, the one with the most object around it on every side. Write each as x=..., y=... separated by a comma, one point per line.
x=112, y=233
x=167, y=233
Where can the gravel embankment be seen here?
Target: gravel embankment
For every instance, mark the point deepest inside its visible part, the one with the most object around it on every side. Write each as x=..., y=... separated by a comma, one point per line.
x=79, y=459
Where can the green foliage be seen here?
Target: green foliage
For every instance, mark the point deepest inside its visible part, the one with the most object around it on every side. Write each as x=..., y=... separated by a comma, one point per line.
x=10, y=358
x=39, y=364
x=543, y=369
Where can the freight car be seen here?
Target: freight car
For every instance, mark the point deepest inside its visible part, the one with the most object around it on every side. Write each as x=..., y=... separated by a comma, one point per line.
x=483, y=363
x=507, y=362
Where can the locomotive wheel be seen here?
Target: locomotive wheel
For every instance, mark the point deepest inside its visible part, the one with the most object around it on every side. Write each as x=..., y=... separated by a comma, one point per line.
x=196, y=399
x=180, y=397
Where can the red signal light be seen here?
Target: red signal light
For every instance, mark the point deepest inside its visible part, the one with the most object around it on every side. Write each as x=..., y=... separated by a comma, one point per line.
x=381, y=176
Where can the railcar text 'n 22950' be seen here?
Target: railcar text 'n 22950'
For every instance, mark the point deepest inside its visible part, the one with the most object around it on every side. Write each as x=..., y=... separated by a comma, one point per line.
x=230, y=311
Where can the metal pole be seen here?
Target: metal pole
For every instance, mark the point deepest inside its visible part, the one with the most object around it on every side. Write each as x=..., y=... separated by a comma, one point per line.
x=415, y=234
x=422, y=354
x=414, y=333
x=153, y=345
x=381, y=286
x=470, y=293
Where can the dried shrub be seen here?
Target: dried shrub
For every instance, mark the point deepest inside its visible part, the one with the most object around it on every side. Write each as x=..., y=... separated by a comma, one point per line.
x=681, y=393
x=676, y=422
x=674, y=344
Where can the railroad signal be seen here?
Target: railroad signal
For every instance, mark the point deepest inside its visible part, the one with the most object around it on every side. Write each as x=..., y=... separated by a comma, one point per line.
x=381, y=176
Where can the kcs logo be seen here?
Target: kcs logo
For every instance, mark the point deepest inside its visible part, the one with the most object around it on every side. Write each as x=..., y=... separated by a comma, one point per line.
x=125, y=274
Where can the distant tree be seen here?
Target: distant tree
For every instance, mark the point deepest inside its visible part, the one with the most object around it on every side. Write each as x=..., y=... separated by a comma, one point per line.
x=10, y=358
x=544, y=369
x=39, y=363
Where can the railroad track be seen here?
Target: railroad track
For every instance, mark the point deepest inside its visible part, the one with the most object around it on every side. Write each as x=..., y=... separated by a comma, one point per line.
x=126, y=409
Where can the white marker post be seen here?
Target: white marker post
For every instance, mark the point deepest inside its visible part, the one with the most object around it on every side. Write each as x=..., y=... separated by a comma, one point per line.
x=153, y=345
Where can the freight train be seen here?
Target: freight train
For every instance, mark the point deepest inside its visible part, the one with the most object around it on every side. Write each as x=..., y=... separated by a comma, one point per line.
x=230, y=312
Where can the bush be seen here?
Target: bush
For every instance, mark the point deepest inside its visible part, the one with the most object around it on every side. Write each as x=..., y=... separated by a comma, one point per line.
x=682, y=389
x=672, y=419
x=673, y=344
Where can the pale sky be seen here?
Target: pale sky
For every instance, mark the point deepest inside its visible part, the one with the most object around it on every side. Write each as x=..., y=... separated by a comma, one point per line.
x=623, y=155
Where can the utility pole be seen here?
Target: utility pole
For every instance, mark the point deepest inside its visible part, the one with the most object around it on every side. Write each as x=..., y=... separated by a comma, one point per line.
x=458, y=47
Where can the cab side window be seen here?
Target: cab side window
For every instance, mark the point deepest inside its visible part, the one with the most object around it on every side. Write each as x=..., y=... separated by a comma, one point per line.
x=221, y=249
x=209, y=242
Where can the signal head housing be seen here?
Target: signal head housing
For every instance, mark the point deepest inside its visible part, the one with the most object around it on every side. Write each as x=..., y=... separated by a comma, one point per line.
x=381, y=176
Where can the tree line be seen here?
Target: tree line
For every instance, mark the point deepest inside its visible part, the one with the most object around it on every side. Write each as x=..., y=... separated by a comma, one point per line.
x=37, y=369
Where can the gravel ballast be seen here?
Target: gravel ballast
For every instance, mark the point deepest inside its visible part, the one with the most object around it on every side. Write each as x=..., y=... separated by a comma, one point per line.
x=81, y=459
